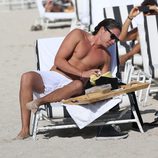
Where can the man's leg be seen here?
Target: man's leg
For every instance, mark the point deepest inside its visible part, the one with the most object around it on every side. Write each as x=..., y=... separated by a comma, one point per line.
x=30, y=81
x=72, y=89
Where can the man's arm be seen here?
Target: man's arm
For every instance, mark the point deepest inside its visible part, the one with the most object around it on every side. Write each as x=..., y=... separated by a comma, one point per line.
x=66, y=51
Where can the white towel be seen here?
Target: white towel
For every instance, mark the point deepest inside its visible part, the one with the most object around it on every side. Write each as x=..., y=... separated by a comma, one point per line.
x=83, y=115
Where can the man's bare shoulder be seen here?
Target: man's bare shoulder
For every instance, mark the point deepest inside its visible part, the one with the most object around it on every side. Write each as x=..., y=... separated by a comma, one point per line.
x=75, y=36
x=78, y=33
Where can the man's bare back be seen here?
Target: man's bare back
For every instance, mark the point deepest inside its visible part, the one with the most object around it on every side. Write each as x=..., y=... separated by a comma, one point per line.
x=85, y=55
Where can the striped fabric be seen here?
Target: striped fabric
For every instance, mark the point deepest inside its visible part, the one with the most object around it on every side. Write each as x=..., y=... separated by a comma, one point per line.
x=120, y=13
x=113, y=9
x=149, y=45
x=102, y=10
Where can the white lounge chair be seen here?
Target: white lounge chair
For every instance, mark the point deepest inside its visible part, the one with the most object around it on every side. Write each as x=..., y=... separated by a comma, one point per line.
x=148, y=34
x=55, y=112
x=54, y=18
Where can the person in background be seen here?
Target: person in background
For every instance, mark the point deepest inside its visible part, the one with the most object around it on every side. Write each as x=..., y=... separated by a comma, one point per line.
x=133, y=34
x=58, y=6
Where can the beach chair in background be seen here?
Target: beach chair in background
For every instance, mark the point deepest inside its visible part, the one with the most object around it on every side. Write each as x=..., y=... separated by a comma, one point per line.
x=82, y=15
x=55, y=19
x=58, y=114
x=17, y=4
x=148, y=36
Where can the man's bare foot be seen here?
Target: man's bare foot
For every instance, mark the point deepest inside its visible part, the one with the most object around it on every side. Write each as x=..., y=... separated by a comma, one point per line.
x=33, y=105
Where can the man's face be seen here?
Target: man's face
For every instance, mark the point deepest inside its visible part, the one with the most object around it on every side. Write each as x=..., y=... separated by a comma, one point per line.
x=110, y=36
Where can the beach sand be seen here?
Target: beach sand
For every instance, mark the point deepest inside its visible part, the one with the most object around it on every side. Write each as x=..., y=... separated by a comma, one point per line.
x=18, y=56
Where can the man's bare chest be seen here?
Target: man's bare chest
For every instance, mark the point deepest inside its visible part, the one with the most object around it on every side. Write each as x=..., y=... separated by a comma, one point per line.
x=90, y=55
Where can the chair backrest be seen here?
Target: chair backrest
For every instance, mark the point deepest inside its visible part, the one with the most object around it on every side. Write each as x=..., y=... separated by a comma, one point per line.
x=97, y=12
x=120, y=13
x=46, y=49
x=148, y=35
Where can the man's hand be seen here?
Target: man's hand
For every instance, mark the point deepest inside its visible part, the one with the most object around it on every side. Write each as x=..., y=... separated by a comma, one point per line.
x=87, y=74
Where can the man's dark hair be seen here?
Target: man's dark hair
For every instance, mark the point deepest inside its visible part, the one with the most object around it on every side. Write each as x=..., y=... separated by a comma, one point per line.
x=148, y=2
x=107, y=23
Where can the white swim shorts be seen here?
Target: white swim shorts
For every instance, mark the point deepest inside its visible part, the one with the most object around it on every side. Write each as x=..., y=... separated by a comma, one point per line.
x=53, y=80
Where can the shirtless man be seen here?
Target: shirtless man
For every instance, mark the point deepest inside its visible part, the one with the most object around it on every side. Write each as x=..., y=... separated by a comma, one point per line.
x=80, y=55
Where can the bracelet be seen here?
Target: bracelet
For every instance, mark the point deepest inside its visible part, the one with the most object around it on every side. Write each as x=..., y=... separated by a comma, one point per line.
x=130, y=18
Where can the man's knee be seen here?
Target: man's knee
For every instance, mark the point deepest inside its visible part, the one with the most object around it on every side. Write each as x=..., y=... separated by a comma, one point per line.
x=26, y=78
x=32, y=80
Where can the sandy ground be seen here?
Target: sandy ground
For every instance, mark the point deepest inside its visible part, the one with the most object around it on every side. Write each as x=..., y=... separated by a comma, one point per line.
x=17, y=56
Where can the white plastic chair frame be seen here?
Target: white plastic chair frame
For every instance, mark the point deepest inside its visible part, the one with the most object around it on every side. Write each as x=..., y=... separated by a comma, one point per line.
x=54, y=18
x=148, y=33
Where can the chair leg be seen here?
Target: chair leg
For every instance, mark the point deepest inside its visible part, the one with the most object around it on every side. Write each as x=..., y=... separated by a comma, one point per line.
x=35, y=124
x=135, y=111
x=147, y=93
x=137, y=121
